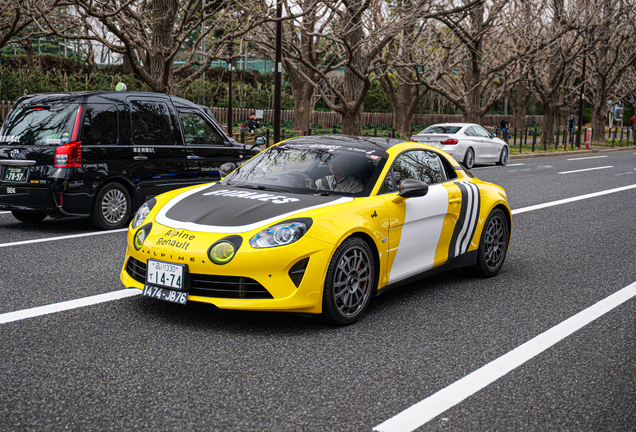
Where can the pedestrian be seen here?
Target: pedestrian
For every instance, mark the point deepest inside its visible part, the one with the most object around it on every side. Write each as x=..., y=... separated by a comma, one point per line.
x=505, y=132
x=253, y=124
x=633, y=120
x=571, y=126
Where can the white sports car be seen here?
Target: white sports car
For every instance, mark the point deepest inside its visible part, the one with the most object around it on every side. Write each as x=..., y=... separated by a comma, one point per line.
x=468, y=143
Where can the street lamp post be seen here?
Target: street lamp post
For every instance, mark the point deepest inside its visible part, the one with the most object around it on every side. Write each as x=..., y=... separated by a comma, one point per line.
x=578, y=134
x=277, y=72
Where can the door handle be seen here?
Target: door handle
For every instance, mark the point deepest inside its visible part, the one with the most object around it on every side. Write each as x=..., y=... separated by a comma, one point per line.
x=140, y=158
x=193, y=157
x=454, y=200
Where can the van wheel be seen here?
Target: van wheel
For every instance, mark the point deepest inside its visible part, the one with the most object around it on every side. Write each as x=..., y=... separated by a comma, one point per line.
x=111, y=208
x=28, y=217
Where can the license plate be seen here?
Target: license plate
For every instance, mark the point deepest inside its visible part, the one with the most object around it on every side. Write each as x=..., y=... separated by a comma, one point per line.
x=165, y=274
x=165, y=294
x=15, y=174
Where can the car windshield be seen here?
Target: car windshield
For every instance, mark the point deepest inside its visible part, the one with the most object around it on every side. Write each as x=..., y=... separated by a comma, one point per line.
x=311, y=169
x=440, y=130
x=40, y=124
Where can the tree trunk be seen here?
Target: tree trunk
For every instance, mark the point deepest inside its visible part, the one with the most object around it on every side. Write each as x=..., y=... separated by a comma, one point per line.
x=549, y=115
x=518, y=106
x=352, y=123
x=303, y=106
x=598, y=123
x=160, y=67
x=28, y=48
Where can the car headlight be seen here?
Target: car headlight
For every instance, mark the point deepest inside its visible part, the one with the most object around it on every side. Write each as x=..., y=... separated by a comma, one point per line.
x=143, y=212
x=281, y=234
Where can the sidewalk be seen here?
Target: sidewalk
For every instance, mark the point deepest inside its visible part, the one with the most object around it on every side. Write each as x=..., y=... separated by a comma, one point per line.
x=592, y=149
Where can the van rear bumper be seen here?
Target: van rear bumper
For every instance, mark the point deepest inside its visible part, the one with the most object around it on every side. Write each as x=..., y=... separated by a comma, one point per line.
x=27, y=197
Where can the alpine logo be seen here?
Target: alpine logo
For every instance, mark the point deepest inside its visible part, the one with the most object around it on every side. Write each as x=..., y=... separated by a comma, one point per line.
x=467, y=222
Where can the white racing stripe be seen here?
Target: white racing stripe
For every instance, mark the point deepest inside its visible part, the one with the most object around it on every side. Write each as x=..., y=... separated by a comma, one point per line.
x=434, y=405
x=66, y=237
x=586, y=169
x=67, y=305
x=588, y=157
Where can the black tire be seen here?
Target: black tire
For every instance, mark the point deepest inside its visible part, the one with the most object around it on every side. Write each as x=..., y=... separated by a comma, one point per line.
x=493, y=246
x=28, y=217
x=469, y=158
x=504, y=156
x=349, y=283
x=112, y=207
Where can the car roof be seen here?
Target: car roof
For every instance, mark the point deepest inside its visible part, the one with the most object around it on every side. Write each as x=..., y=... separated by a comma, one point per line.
x=100, y=96
x=365, y=143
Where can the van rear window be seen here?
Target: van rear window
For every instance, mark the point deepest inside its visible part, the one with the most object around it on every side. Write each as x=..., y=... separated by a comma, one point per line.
x=40, y=125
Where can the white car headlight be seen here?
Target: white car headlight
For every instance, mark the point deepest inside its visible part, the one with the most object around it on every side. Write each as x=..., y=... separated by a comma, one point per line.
x=281, y=234
x=143, y=212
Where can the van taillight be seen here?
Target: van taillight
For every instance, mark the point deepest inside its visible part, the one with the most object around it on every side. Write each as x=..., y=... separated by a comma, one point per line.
x=68, y=155
x=449, y=141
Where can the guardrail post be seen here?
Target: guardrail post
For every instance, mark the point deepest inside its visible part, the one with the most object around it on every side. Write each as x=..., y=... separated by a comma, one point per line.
x=514, y=139
x=282, y=135
x=620, y=144
x=375, y=132
x=267, y=137
x=334, y=130
x=242, y=137
x=614, y=137
x=534, y=138
x=556, y=142
x=526, y=133
x=309, y=131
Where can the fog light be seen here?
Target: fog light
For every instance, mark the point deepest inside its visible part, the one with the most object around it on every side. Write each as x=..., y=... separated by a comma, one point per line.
x=139, y=239
x=222, y=252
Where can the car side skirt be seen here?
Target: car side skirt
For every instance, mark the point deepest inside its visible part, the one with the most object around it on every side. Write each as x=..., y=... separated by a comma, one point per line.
x=465, y=260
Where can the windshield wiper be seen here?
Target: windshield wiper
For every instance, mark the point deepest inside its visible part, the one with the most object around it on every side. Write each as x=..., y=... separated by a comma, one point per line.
x=260, y=187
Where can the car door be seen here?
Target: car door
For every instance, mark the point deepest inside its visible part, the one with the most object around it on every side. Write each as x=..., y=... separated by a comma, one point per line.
x=421, y=228
x=159, y=162
x=205, y=149
x=477, y=143
x=489, y=148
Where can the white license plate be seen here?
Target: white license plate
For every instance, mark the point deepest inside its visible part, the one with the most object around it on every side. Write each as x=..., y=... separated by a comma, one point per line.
x=165, y=274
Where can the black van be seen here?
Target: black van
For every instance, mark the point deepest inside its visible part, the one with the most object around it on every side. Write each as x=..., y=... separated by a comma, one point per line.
x=102, y=154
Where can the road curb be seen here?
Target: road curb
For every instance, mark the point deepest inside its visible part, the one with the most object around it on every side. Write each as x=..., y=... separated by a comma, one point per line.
x=570, y=152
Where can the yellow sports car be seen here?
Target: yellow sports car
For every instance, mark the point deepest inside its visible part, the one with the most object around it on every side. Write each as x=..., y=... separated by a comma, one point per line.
x=318, y=225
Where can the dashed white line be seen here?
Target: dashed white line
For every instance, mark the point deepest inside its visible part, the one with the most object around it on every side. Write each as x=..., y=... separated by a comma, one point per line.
x=4, y=212
x=586, y=169
x=588, y=157
x=517, y=164
x=67, y=305
x=434, y=405
x=66, y=237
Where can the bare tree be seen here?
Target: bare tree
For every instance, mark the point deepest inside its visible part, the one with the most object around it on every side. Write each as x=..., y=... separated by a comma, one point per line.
x=301, y=38
x=150, y=34
x=611, y=51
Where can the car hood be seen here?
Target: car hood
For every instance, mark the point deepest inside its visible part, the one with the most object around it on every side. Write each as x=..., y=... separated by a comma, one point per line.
x=226, y=209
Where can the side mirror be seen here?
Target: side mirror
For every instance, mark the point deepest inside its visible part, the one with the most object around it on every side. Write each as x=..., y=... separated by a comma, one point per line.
x=493, y=135
x=411, y=188
x=259, y=141
x=226, y=168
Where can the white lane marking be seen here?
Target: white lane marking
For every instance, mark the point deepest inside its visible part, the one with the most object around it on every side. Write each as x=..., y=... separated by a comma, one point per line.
x=4, y=212
x=434, y=405
x=517, y=164
x=573, y=199
x=587, y=169
x=67, y=305
x=589, y=157
x=48, y=239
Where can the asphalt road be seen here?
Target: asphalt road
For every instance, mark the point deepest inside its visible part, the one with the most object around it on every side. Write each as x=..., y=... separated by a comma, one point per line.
x=136, y=363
